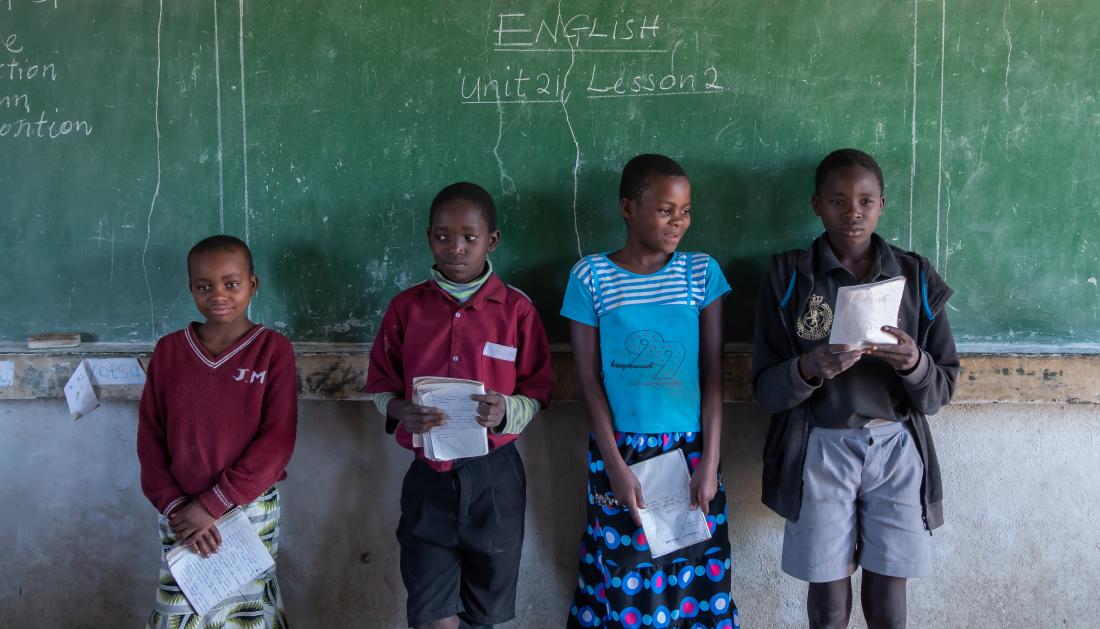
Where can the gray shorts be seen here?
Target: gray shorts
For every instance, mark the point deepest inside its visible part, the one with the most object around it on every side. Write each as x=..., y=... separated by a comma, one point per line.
x=860, y=506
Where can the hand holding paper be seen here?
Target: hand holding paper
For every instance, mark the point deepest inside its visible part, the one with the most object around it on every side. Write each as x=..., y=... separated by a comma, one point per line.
x=460, y=435
x=904, y=355
x=828, y=361
x=417, y=418
x=208, y=581
x=668, y=520
x=491, y=409
x=194, y=526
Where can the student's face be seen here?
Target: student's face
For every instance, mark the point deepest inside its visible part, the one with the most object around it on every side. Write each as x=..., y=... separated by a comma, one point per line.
x=849, y=203
x=659, y=219
x=221, y=285
x=460, y=240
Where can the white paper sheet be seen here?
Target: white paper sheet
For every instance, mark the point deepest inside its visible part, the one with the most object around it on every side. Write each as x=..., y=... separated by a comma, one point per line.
x=7, y=373
x=862, y=310
x=241, y=558
x=79, y=393
x=460, y=436
x=668, y=519
x=108, y=371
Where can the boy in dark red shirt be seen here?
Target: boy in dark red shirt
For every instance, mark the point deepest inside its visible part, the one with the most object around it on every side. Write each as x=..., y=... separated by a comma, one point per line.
x=461, y=528
x=216, y=428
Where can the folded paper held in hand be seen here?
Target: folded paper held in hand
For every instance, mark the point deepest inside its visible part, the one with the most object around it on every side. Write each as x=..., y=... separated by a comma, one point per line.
x=862, y=310
x=242, y=557
x=668, y=520
x=460, y=436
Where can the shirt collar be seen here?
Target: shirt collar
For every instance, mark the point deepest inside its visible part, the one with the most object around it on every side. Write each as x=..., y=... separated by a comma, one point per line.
x=884, y=264
x=494, y=289
x=461, y=292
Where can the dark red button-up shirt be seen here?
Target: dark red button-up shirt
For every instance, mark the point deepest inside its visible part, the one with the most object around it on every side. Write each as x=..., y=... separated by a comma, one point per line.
x=426, y=332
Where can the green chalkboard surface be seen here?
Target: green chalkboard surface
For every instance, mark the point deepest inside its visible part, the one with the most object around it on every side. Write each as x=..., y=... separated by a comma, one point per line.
x=319, y=131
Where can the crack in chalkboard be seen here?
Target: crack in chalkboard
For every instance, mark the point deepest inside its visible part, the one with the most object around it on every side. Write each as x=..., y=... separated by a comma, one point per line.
x=156, y=189
x=218, y=102
x=564, y=97
x=244, y=131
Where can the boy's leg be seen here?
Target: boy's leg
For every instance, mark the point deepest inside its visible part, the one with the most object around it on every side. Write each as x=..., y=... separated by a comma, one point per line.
x=820, y=547
x=493, y=497
x=829, y=605
x=430, y=559
x=883, y=601
x=447, y=623
x=894, y=543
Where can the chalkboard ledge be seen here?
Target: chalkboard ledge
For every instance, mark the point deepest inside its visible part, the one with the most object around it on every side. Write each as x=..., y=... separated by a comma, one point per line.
x=332, y=371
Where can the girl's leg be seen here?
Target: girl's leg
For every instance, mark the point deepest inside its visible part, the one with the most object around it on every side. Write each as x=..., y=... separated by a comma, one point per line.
x=829, y=604
x=445, y=623
x=883, y=601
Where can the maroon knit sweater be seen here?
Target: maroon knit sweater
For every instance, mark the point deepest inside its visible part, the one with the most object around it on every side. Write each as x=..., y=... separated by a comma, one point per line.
x=218, y=429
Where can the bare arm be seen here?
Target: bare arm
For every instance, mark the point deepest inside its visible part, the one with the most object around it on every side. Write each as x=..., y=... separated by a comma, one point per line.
x=586, y=354
x=704, y=482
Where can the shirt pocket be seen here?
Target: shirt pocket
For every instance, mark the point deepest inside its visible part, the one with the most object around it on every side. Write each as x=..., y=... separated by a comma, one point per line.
x=498, y=367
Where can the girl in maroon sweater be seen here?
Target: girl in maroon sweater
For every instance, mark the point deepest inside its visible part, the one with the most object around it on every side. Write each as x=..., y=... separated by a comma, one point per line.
x=216, y=428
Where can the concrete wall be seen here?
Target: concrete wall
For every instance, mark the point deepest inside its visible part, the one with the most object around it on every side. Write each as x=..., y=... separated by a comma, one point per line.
x=79, y=547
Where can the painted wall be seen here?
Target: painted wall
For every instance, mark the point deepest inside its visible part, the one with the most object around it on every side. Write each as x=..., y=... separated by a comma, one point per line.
x=80, y=548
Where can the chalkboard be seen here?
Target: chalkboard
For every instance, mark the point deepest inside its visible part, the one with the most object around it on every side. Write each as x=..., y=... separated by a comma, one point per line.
x=319, y=131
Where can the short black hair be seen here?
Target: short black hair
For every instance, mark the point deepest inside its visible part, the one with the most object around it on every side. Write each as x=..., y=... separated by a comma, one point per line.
x=847, y=158
x=641, y=169
x=467, y=192
x=220, y=242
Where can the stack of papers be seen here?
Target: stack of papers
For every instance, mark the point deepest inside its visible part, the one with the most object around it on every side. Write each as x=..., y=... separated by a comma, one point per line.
x=862, y=310
x=460, y=436
x=668, y=520
x=241, y=558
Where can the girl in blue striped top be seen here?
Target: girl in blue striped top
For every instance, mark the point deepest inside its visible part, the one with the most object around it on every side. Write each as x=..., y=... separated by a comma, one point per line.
x=646, y=325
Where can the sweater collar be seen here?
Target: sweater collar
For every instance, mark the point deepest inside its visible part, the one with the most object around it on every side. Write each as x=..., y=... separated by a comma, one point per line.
x=461, y=292
x=493, y=289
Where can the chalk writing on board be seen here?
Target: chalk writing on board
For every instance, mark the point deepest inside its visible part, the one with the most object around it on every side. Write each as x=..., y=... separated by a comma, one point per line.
x=578, y=31
x=644, y=65
x=24, y=84
x=11, y=4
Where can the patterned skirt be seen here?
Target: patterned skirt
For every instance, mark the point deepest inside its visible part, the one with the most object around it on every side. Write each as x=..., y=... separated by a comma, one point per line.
x=621, y=584
x=258, y=603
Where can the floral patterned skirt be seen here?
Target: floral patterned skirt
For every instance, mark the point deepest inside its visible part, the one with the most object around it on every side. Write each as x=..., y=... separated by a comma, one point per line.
x=621, y=584
x=258, y=603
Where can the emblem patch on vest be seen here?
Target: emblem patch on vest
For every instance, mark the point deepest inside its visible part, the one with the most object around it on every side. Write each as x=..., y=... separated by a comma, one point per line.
x=817, y=321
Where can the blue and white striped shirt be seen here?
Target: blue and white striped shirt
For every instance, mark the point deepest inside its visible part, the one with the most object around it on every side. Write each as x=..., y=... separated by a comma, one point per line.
x=619, y=287
x=649, y=336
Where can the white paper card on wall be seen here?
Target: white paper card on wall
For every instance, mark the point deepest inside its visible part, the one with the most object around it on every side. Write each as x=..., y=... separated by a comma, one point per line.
x=7, y=373
x=108, y=371
x=241, y=558
x=79, y=393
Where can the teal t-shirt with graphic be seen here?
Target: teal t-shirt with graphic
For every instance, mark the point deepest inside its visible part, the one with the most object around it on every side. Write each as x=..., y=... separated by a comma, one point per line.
x=649, y=336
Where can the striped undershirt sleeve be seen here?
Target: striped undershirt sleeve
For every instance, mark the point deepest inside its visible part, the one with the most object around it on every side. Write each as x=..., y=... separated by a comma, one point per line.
x=520, y=411
x=382, y=401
